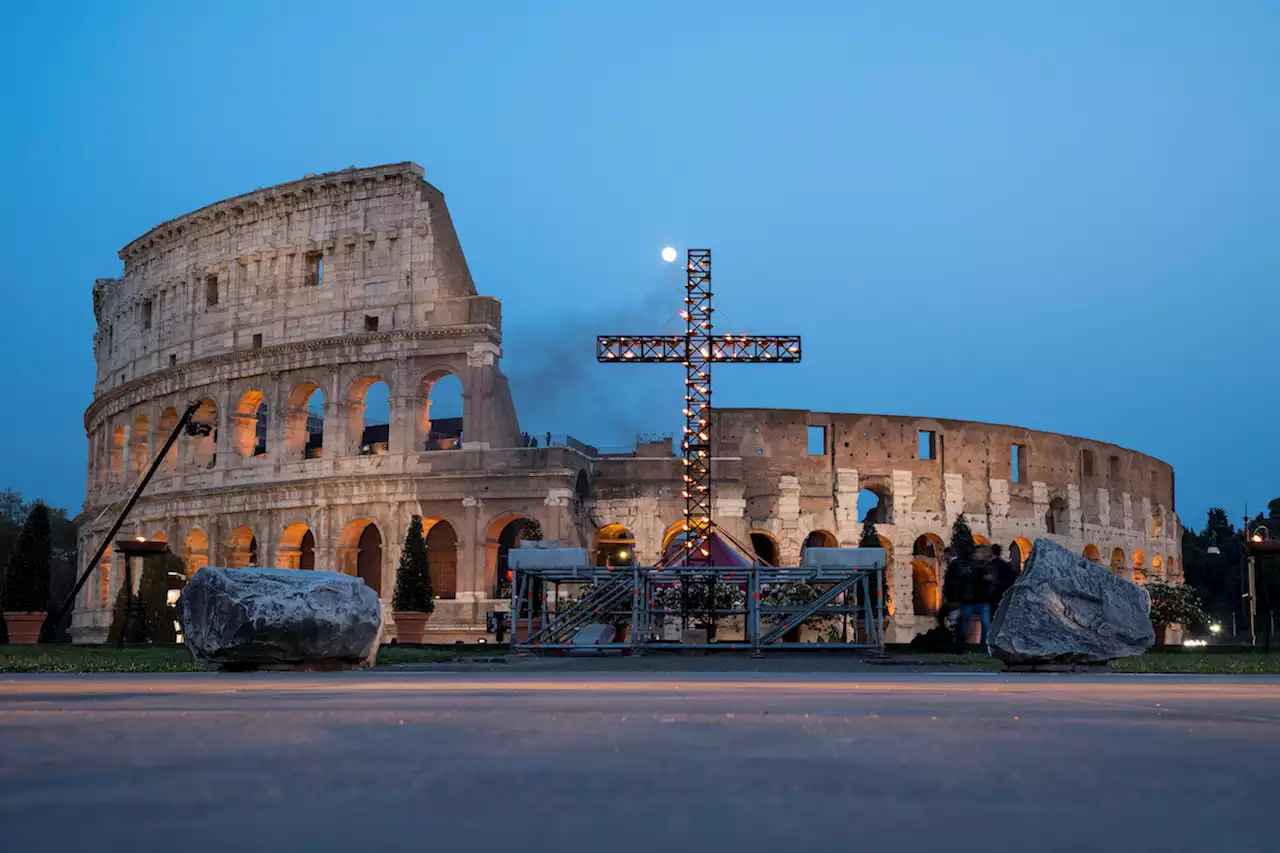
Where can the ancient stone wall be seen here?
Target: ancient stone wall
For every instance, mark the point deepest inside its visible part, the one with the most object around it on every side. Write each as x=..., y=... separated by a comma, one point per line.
x=263, y=305
x=256, y=305
x=783, y=476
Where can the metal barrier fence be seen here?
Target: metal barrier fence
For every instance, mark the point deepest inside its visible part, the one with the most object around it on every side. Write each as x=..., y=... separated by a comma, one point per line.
x=771, y=601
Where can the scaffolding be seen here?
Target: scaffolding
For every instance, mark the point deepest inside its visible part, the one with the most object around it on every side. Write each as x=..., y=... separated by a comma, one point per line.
x=852, y=595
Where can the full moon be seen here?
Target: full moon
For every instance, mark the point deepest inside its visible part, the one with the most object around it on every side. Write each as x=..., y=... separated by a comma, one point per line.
x=668, y=254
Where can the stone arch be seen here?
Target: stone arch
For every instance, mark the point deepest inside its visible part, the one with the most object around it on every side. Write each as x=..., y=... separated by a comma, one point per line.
x=369, y=433
x=104, y=577
x=614, y=545
x=1056, y=519
x=195, y=551
x=242, y=548
x=926, y=590
x=1019, y=551
x=98, y=447
x=1092, y=554
x=503, y=533
x=1157, y=566
x=139, y=438
x=297, y=547
x=369, y=557
x=1117, y=560
x=204, y=448
x=674, y=530
x=442, y=557
x=875, y=502
x=1139, y=565
x=359, y=552
x=926, y=593
x=928, y=545
x=888, y=572
x=979, y=539
x=765, y=546
x=304, y=422
x=582, y=487
x=251, y=424
x=820, y=539
x=159, y=536
x=169, y=420
x=441, y=411
x=117, y=454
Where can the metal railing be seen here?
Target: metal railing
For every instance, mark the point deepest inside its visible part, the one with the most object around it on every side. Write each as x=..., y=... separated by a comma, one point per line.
x=851, y=596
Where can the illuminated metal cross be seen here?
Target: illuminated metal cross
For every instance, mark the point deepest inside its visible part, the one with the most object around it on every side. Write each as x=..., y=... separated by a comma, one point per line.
x=697, y=349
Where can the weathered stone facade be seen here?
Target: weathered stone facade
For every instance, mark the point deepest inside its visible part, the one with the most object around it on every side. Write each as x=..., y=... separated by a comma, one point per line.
x=331, y=283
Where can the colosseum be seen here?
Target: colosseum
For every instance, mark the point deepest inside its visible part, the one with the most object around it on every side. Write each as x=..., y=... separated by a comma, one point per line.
x=285, y=309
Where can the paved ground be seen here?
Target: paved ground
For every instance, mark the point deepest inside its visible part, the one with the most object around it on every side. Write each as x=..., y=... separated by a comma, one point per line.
x=691, y=761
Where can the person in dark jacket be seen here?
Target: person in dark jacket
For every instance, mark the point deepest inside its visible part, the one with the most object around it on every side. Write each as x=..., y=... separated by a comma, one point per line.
x=972, y=586
x=1003, y=576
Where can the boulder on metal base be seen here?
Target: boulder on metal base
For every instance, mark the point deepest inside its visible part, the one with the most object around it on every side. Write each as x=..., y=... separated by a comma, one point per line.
x=279, y=619
x=1067, y=610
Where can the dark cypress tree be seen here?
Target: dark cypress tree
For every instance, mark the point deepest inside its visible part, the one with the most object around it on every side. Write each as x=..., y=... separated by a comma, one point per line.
x=26, y=577
x=869, y=537
x=962, y=538
x=413, y=580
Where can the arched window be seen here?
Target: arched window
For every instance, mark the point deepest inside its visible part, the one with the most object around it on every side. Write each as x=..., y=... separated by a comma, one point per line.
x=369, y=557
x=1092, y=554
x=874, y=503
x=138, y=445
x=1157, y=567
x=765, y=546
x=926, y=591
x=1139, y=566
x=369, y=417
x=821, y=539
x=1117, y=560
x=926, y=594
x=504, y=534
x=204, y=451
x=1055, y=518
x=615, y=546
x=442, y=559
x=1019, y=551
x=169, y=420
x=243, y=547
x=304, y=423
x=195, y=551
x=297, y=548
x=104, y=577
x=440, y=418
x=117, y=454
x=251, y=424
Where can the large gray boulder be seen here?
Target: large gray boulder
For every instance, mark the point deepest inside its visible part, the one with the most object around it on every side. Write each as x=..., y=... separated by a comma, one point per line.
x=1065, y=609
x=278, y=618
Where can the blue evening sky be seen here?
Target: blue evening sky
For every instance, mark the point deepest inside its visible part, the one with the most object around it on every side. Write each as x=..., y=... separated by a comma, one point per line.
x=1061, y=215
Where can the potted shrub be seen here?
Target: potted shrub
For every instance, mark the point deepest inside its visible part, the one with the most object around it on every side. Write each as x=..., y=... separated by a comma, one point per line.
x=1173, y=604
x=413, y=601
x=26, y=579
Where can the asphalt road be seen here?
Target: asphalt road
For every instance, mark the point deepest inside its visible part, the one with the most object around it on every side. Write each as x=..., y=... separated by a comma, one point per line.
x=639, y=762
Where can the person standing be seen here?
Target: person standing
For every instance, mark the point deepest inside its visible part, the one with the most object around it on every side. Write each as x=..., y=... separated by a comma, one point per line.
x=974, y=584
x=1003, y=576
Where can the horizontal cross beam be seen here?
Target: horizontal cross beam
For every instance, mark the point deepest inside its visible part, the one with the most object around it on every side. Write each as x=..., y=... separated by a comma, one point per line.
x=652, y=349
